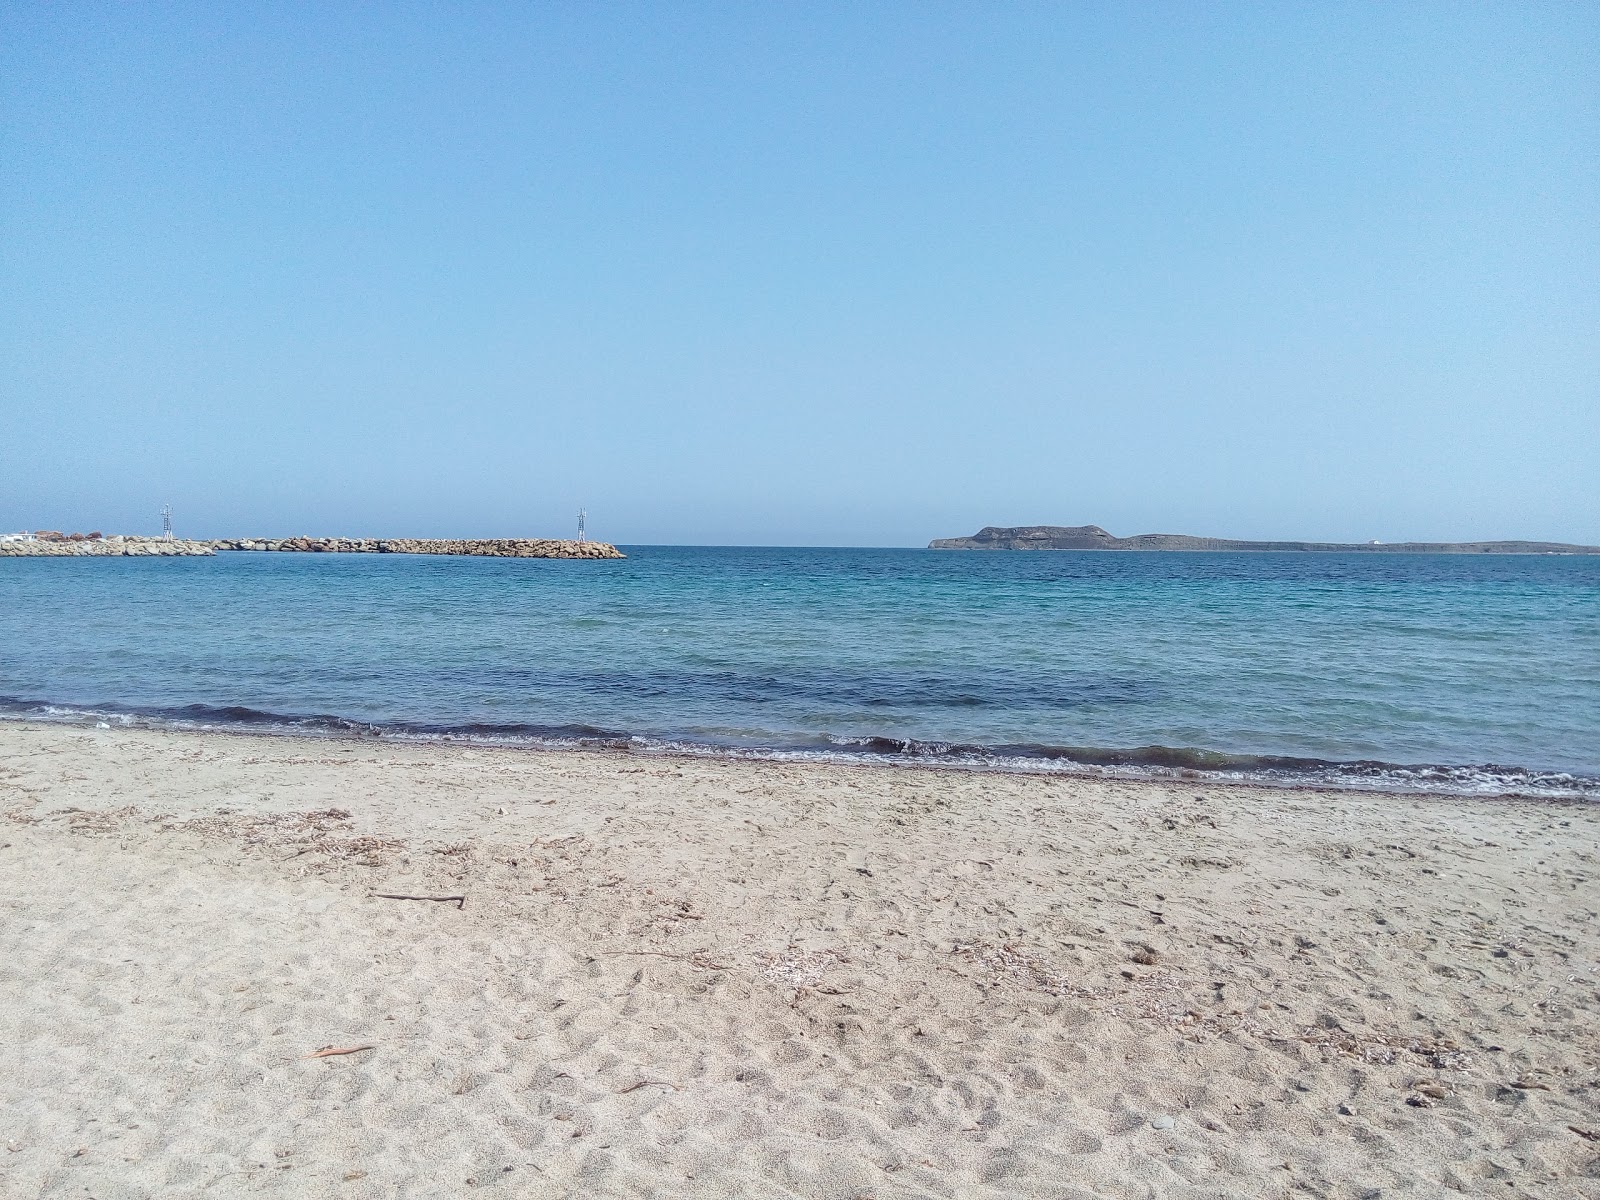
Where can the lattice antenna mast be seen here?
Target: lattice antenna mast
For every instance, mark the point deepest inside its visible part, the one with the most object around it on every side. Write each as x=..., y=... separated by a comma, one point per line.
x=166, y=522
x=583, y=517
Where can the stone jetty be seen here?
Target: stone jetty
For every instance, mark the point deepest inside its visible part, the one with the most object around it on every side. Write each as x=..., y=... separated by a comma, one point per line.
x=480, y=547
x=49, y=544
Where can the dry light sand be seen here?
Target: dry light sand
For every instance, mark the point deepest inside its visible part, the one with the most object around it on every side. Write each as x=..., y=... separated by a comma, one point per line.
x=679, y=977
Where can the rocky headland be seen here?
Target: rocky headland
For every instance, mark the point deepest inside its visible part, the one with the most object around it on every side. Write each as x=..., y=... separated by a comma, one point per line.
x=1092, y=537
x=49, y=544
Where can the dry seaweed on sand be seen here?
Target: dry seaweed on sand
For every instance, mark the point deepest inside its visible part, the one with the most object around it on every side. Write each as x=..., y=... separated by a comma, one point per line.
x=1006, y=962
x=800, y=968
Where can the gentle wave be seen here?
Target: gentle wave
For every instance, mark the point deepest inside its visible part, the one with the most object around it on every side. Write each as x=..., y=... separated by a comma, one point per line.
x=1142, y=762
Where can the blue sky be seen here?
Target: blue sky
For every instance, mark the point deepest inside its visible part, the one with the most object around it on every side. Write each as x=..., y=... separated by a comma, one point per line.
x=853, y=274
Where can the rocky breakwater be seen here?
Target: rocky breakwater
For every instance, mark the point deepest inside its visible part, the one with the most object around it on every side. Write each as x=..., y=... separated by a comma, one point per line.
x=477, y=547
x=49, y=544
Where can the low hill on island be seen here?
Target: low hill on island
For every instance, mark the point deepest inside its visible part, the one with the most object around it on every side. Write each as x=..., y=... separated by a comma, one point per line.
x=1092, y=537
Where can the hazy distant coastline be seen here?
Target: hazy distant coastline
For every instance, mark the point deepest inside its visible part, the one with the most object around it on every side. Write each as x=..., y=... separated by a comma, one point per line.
x=1092, y=537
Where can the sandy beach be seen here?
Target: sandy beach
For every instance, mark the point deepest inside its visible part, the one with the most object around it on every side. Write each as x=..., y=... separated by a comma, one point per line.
x=696, y=977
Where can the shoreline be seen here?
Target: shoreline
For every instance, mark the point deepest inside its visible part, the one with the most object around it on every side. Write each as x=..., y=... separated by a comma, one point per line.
x=718, y=977
x=1136, y=764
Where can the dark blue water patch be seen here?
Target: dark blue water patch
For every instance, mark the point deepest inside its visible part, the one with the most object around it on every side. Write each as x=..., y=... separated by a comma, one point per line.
x=996, y=688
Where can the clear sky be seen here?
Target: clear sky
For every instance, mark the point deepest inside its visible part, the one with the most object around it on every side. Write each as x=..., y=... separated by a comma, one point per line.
x=863, y=273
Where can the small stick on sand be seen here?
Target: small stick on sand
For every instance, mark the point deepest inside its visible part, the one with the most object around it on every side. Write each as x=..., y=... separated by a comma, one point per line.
x=634, y=1087
x=458, y=901
x=330, y=1051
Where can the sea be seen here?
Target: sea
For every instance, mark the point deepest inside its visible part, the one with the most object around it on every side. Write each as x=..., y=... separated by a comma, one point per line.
x=1467, y=674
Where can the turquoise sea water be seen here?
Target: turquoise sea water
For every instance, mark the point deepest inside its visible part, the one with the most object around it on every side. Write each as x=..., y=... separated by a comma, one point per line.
x=1450, y=673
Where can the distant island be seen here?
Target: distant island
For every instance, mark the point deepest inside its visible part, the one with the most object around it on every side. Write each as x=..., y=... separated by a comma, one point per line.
x=1092, y=537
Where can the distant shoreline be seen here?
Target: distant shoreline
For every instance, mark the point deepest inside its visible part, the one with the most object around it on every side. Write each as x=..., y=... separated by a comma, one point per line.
x=1092, y=537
